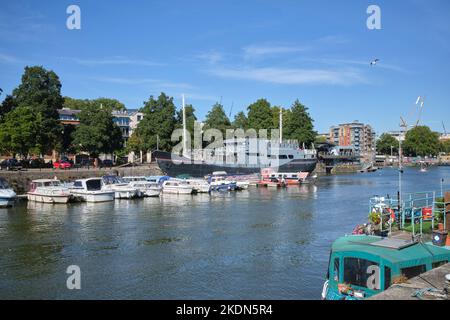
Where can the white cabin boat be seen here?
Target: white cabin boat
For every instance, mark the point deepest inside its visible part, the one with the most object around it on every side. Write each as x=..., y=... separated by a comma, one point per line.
x=145, y=187
x=48, y=191
x=90, y=190
x=121, y=188
x=199, y=185
x=177, y=187
x=7, y=195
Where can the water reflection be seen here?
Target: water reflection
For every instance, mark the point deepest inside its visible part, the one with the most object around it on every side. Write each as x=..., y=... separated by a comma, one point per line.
x=256, y=244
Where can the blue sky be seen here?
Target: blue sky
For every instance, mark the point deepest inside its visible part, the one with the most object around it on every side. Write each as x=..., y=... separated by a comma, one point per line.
x=239, y=51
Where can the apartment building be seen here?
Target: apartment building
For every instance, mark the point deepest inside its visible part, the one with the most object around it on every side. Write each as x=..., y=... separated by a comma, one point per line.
x=357, y=135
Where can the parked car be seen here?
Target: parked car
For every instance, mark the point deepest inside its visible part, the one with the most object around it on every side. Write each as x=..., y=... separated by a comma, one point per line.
x=10, y=164
x=39, y=163
x=86, y=163
x=62, y=165
x=107, y=163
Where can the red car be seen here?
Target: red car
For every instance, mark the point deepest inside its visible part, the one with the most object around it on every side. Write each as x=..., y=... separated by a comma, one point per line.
x=62, y=165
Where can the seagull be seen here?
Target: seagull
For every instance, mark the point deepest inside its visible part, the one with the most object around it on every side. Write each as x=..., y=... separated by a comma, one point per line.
x=374, y=62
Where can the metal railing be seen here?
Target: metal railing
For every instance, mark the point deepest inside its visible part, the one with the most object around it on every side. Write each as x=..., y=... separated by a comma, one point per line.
x=415, y=208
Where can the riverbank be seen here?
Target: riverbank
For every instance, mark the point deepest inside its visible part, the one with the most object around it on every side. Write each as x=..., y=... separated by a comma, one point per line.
x=20, y=180
x=338, y=169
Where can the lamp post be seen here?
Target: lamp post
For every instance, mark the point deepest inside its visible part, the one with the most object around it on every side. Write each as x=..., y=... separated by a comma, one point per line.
x=442, y=187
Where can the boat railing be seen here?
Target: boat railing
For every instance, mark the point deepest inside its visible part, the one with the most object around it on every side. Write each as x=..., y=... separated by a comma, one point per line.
x=415, y=207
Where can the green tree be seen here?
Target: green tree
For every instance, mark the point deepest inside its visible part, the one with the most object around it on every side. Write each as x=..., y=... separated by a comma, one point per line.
x=80, y=104
x=7, y=106
x=97, y=133
x=299, y=125
x=260, y=115
x=18, y=131
x=40, y=90
x=67, y=139
x=445, y=146
x=159, y=120
x=217, y=119
x=421, y=141
x=135, y=143
x=384, y=144
x=75, y=104
x=190, y=119
x=240, y=121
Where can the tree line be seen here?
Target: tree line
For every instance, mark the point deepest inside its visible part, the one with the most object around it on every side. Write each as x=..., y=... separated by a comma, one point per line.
x=419, y=141
x=30, y=124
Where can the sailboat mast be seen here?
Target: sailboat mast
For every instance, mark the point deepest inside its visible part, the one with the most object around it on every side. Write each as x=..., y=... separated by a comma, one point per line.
x=184, y=126
x=281, y=125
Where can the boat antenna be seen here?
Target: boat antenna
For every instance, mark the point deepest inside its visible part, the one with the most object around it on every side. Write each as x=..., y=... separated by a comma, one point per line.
x=184, y=125
x=231, y=109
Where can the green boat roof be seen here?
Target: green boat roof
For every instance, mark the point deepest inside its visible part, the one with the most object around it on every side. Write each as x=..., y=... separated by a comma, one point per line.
x=369, y=245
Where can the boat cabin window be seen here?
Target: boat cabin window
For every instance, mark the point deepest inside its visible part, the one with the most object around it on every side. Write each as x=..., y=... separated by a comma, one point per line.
x=438, y=264
x=3, y=184
x=362, y=273
x=387, y=277
x=291, y=156
x=77, y=184
x=55, y=183
x=94, y=185
x=412, y=272
x=336, y=270
x=282, y=156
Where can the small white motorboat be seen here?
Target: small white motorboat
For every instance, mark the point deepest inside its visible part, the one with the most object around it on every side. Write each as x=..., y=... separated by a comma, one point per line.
x=146, y=188
x=7, y=195
x=199, y=185
x=90, y=190
x=121, y=188
x=423, y=167
x=175, y=186
x=48, y=191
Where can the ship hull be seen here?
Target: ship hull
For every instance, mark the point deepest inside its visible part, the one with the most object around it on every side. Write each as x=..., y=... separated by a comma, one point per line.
x=197, y=170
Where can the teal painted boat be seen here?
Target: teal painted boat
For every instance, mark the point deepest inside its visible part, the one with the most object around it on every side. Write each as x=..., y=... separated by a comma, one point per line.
x=362, y=265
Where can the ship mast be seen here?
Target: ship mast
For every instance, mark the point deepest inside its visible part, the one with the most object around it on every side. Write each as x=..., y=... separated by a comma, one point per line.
x=281, y=125
x=184, y=127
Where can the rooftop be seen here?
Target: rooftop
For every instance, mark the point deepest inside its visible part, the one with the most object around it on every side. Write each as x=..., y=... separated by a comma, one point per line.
x=394, y=253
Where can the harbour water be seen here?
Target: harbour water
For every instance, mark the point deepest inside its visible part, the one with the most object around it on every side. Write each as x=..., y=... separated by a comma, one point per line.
x=254, y=244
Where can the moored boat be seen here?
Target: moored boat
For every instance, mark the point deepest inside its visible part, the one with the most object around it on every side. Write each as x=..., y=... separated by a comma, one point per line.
x=175, y=186
x=48, y=191
x=377, y=256
x=120, y=187
x=145, y=187
x=7, y=195
x=362, y=266
x=90, y=190
x=199, y=185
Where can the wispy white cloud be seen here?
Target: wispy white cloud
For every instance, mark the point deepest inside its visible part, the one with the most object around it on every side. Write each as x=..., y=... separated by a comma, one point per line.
x=115, y=61
x=255, y=51
x=8, y=58
x=211, y=57
x=346, y=62
x=292, y=76
x=156, y=83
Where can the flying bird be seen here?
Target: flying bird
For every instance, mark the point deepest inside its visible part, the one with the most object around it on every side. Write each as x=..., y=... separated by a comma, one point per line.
x=374, y=62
